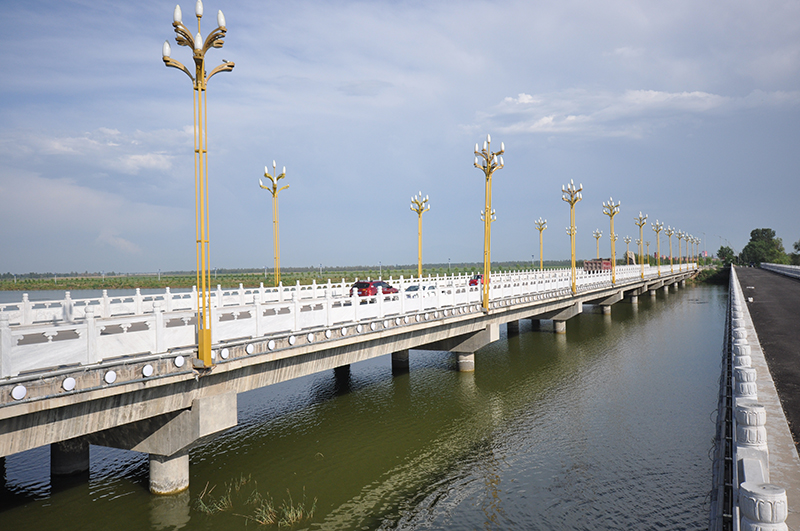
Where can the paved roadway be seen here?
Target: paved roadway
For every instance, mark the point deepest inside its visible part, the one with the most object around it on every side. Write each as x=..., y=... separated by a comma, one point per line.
x=775, y=311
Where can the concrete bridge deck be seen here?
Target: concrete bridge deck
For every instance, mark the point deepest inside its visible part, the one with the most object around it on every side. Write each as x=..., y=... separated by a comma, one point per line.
x=161, y=405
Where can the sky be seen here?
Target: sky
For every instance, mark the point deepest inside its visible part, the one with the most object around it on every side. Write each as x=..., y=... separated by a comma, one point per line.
x=687, y=111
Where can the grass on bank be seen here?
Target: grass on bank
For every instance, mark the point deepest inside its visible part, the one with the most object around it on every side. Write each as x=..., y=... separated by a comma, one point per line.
x=254, y=507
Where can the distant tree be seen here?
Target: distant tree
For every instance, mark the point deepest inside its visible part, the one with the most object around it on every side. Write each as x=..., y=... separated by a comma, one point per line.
x=725, y=254
x=794, y=258
x=763, y=246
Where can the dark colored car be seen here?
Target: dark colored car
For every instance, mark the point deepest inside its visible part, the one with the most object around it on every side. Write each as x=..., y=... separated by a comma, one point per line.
x=370, y=289
x=476, y=279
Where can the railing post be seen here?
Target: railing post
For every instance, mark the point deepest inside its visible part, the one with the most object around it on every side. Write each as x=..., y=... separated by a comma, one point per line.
x=379, y=296
x=296, y=311
x=219, y=303
x=27, y=314
x=66, y=307
x=105, y=305
x=328, y=302
x=158, y=325
x=259, y=312
x=6, y=345
x=91, y=337
x=280, y=292
x=137, y=302
x=241, y=295
x=168, y=299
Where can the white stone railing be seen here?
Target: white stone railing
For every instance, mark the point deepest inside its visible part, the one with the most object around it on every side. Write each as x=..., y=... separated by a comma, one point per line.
x=758, y=504
x=38, y=335
x=787, y=270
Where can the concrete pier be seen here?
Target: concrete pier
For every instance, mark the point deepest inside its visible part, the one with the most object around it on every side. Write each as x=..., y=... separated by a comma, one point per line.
x=633, y=299
x=169, y=474
x=69, y=457
x=606, y=309
x=400, y=361
x=559, y=327
x=512, y=328
x=653, y=293
x=466, y=361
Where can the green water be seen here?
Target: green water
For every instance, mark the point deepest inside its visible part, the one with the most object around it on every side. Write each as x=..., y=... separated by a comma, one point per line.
x=606, y=427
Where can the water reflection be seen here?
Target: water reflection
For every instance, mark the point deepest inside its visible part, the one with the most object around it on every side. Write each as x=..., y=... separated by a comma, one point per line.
x=170, y=512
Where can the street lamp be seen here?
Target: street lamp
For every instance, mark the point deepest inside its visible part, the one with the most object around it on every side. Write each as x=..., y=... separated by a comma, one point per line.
x=572, y=195
x=597, y=235
x=611, y=210
x=541, y=225
x=199, y=82
x=647, y=243
x=488, y=162
x=419, y=205
x=641, y=221
x=669, y=231
x=680, y=236
x=274, y=177
x=627, y=240
x=657, y=228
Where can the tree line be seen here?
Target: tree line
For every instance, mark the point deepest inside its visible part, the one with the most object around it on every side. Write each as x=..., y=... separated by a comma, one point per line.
x=764, y=246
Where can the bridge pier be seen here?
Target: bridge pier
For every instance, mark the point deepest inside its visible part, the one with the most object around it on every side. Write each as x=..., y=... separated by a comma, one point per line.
x=466, y=361
x=400, y=361
x=560, y=319
x=169, y=474
x=633, y=299
x=512, y=328
x=666, y=289
x=606, y=309
x=536, y=324
x=169, y=437
x=69, y=457
x=653, y=293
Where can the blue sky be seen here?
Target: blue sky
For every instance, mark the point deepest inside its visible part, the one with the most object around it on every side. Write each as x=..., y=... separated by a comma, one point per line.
x=687, y=111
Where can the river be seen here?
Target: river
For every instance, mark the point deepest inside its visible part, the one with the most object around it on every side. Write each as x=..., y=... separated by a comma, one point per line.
x=607, y=427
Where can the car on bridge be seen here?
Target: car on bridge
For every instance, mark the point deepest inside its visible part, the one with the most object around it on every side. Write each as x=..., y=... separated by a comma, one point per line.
x=476, y=279
x=370, y=288
x=415, y=290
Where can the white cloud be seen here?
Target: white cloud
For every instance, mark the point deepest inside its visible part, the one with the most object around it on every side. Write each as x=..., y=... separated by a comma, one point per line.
x=110, y=238
x=629, y=113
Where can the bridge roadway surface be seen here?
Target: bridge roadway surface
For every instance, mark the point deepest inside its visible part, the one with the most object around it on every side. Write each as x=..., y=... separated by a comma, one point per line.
x=169, y=412
x=773, y=304
x=775, y=310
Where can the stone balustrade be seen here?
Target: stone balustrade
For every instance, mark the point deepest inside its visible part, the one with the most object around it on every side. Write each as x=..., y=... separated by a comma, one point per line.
x=755, y=503
x=48, y=334
x=783, y=269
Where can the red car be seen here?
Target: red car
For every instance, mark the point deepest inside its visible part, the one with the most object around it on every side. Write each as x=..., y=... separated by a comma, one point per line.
x=370, y=289
x=475, y=280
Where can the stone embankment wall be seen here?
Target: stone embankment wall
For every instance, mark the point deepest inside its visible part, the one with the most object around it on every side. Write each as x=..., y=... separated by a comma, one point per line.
x=742, y=497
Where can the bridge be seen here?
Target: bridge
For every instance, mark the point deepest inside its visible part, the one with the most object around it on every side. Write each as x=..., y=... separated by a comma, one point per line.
x=122, y=371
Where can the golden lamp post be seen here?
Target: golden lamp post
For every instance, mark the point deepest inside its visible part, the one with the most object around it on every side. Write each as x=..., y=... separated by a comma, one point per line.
x=680, y=236
x=611, y=210
x=199, y=81
x=669, y=231
x=657, y=228
x=541, y=225
x=627, y=240
x=419, y=205
x=597, y=233
x=641, y=221
x=488, y=162
x=274, y=177
x=572, y=195
x=647, y=243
